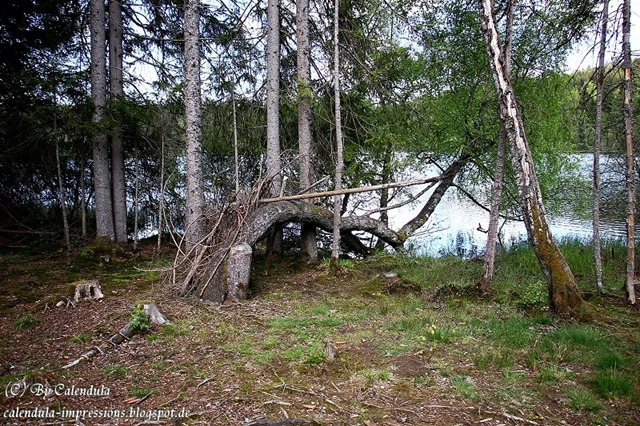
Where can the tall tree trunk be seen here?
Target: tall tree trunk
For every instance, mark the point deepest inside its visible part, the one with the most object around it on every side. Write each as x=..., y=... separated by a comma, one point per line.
x=116, y=91
x=236, y=159
x=63, y=204
x=597, y=255
x=83, y=199
x=161, y=194
x=498, y=178
x=273, y=111
x=101, y=172
x=630, y=175
x=337, y=203
x=564, y=296
x=194, y=217
x=308, y=237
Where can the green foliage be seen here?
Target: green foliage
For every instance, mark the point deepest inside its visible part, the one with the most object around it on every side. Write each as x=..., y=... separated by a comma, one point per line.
x=116, y=370
x=27, y=321
x=535, y=294
x=140, y=320
x=80, y=338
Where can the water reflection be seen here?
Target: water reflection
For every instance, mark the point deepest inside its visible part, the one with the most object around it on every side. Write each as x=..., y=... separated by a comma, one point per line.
x=457, y=225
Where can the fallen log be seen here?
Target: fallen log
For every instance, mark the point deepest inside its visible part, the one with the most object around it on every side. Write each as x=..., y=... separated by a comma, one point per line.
x=262, y=220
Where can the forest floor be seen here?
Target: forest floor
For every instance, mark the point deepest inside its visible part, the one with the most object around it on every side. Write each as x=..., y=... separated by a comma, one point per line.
x=422, y=349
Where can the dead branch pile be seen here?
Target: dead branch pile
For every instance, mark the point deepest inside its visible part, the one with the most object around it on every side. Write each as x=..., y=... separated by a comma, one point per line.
x=204, y=271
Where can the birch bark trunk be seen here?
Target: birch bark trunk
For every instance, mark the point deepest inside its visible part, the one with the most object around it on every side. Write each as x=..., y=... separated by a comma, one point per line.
x=498, y=178
x=597, y=255
x=564, y=296
x=630, y=175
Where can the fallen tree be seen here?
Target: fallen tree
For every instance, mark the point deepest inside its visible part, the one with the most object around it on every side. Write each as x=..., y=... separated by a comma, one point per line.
x=214, y=273
x=218, y=268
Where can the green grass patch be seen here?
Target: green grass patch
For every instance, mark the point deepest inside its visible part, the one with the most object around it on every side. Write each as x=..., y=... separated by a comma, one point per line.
x=80, y=338
x=116, y=370
x=613, y=383
x=463, y=386
x=27, y=321
x=581, y=399
x=139, y=392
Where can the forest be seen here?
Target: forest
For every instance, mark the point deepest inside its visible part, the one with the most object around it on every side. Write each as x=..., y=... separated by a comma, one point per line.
x=238, y=165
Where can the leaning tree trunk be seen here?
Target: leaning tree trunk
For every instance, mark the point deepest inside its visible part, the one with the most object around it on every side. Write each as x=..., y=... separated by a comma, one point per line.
x=101, y=172
x=600, y=71
x=630, y=175
x=194, y=217
x=564, y=296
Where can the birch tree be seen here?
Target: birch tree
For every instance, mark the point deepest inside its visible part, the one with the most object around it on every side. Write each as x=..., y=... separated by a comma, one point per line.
x=597, y=143
x=498, y=178
x=194, y=217
x=101, y=172
x=308, y=244
x=630, y=175
x=116, y=90
x=564, y=296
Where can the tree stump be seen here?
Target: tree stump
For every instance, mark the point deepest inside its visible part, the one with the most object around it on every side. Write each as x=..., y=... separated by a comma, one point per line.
x=231, y=281
x=238, y=272
x=87, y=290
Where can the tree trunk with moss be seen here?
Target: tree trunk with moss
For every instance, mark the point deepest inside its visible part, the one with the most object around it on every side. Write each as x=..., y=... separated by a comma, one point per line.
x=564, y=296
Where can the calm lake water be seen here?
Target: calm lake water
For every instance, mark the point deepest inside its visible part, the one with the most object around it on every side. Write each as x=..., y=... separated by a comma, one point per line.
x=453, y=228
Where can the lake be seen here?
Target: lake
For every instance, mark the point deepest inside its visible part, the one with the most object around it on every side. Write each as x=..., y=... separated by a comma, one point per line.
x=453, y=227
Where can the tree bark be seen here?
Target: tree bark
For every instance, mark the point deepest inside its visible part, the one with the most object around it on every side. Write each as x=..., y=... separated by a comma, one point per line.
x=215, y=283
x=308, y=237
x=273, y=112
x=101, y=172
x=597, y=255
x=427, y=210
x=564, y=296
x=259, y=223
x=630, y=175
x=384, y=193
x=116, y=86
x=498, y=178
x=337, y=202
x=193, y=116
x=63, y=204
